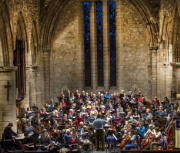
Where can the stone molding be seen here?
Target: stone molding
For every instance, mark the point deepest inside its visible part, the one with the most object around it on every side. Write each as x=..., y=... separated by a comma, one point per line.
x=175, y=65
x=8, y=69
x=31, y=67
x=113, y=87
x=45, y=50
x=153, y=48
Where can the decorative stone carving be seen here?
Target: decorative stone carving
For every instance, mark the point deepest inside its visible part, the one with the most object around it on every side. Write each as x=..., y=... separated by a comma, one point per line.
x=135, y=89
x=45, y=50
x=175, y=65
x=153, y=48
x=65, y=90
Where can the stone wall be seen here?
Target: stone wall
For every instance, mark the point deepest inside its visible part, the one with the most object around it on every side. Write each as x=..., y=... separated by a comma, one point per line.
x=60, y=46
x=64, y=51
x=134, y=50
x=8, y=108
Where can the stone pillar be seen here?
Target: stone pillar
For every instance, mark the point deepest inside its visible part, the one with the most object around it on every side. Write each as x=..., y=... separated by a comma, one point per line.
x=32, y=87
x=119, y=46
x=46, y=58
x=93, y=41
x=154, y=71
x=106, y=45
x=80, y=47
x=169, y=80
x=158, y=74
x=40, y=79
x=7, y=108
x=161, y=75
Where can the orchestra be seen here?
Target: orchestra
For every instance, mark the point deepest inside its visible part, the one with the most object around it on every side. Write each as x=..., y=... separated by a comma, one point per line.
x=86, y=119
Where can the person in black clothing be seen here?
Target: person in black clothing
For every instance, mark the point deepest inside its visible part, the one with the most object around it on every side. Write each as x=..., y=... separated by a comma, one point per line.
x=38, y=123
x=35, y=108
x=28, y=141
x=8, y=132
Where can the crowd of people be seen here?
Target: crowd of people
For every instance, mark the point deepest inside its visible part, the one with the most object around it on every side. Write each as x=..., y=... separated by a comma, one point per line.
x=71, y=121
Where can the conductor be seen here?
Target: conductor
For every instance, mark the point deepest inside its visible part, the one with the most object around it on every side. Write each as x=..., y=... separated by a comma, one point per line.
x=100, y=135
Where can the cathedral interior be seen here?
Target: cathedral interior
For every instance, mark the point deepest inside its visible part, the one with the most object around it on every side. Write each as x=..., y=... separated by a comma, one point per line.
x=52, y=46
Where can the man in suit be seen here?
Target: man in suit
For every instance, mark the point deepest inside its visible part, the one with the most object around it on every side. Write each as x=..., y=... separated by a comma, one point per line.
x=68, y=94
x=98, y=96
x=76, y=93
x=130, y=93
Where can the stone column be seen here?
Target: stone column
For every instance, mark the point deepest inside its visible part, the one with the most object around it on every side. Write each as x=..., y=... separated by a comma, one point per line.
x=80, y=47
x=46, y=58
x=154, y=71
x=169, y=80
x=32, y=87
x=7, y=108
x=40, y=78
x=161, y=74
x=93, y=41
x=119, y=46
x=106, y=45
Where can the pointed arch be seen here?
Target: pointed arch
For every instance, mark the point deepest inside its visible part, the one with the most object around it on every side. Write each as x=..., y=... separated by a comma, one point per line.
x=6, y=36
x=21, y=31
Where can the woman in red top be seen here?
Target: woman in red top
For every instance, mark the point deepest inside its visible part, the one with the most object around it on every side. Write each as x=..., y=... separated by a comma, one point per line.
x=73, y=142
x=63, y=106
x=141, y=97
x=79, y=119
x=118, y=117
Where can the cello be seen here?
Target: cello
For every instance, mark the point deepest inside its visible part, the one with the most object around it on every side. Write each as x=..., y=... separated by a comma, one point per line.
x=125, y=141
x=168, y=131
x=151, y=141
x=145, y=140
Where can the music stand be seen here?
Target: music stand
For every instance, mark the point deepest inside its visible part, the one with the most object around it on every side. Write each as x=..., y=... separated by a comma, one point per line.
x=122, y=113
x=81, y=119
x=117, y=119
x=113, y=112
x=61, y=127
x=110, y=132
x=136, y=118
x=127, y=118
x=118, y=129
x=91, y=119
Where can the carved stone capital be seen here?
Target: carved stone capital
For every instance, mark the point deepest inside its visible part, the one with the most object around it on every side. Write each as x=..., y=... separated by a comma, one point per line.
x=31, y=67
x=46, y=50
x=8, y=69
x=153, y=48
x=175, y=64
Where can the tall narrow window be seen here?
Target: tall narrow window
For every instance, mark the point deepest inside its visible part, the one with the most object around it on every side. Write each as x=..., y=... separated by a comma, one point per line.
x=87, y=44
x=99, y=21
x=112, y=25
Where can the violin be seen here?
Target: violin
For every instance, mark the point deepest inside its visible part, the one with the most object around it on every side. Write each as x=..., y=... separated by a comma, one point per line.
x=125, y=141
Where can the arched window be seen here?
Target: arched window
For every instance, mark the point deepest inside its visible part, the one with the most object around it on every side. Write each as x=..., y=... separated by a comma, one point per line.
x=99, y=35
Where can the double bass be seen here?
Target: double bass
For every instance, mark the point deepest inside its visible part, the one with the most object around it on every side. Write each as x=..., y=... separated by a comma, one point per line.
x=125, y=141
x=168, y=131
